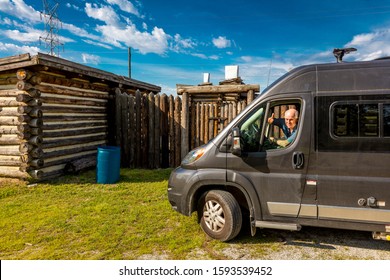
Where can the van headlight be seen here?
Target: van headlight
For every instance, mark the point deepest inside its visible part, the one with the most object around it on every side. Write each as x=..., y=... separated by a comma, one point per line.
x=194, y=155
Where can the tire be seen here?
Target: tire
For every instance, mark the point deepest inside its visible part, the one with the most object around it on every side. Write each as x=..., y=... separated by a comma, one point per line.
x=220, y=215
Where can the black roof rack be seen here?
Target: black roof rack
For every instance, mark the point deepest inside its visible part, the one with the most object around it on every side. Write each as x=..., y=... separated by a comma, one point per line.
x=382, y=58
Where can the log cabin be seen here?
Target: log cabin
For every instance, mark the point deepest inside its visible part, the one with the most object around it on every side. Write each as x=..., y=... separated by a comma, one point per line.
x=55, y=113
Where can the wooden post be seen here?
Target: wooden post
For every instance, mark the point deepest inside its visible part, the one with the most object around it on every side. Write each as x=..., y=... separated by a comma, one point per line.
x=171, y=123
x=177, y=146
x=184, y=126
x=131, y=131
x=234, y=109
x=164, y=131
x=206, y=123
x=157, y=131
x=215, y=119
x=124, y=122
x=201, y=134
x=138, y=144
x=145, y=130
x=151, y=131
x=118, y=111
x=197, y=123
x=193, y=124
x=250, y=96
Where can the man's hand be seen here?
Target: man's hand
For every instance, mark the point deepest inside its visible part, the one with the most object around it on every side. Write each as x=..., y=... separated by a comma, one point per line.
x=271, y=119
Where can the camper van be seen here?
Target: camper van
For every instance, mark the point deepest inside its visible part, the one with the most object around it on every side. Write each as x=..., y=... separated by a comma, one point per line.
x=312, y=150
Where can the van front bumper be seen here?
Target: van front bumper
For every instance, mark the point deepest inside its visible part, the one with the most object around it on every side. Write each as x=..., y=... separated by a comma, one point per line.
x=180, y=182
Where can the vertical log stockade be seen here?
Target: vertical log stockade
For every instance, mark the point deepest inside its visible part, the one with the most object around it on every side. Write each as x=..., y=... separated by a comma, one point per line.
x=54, y=114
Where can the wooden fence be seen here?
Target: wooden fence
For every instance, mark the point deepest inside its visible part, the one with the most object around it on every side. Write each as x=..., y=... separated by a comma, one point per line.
x=157, y=131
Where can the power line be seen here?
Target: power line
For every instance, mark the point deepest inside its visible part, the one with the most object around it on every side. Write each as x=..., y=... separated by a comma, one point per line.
x=52, y=23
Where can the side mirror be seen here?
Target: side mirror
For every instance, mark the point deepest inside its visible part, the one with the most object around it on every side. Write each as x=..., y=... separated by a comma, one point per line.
x=236, y=146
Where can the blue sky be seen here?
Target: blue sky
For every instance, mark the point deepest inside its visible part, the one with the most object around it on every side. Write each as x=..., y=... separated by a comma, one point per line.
x=175, y=42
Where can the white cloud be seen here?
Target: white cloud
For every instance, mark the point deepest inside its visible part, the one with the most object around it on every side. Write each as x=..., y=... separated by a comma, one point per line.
x=20, y=10
x=371, y=45
x=125, y=6
x=30, y=35
x=15, y=49
x=180, y=45
x=104, y=13
x=77, y=8
x=90, y=59
x=144, y=42
x=98, y=44
x=203, y=56
x=221, y=42
x=5, y=21
x=16, y=35
x=122, y=35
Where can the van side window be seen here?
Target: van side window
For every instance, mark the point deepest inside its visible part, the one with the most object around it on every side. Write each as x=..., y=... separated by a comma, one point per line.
x=356, y=120
x=358, y=123
x=283, y=120
x=386, y=120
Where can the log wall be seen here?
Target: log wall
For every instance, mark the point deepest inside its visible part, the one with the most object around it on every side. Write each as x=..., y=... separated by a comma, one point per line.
x=20, y=127
x=49, y=124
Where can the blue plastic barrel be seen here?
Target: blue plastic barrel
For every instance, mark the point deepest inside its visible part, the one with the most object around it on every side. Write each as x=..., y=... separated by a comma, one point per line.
x=108, y=164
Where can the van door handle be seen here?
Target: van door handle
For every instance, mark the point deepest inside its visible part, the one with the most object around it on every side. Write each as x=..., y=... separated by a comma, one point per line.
x=298, y=160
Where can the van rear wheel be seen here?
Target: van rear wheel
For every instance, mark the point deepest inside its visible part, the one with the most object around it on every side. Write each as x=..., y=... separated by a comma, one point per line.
x=220, y=215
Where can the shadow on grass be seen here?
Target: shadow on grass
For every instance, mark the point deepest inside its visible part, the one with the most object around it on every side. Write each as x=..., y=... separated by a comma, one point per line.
x=314, y=237
x=126, y=176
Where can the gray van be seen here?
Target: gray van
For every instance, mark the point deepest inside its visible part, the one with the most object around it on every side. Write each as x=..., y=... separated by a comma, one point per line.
x=333, y=172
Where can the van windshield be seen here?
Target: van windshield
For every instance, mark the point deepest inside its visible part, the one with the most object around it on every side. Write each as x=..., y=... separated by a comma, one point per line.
x=251, y=130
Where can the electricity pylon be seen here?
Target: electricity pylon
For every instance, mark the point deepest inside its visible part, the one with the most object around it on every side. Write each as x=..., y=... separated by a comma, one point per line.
x=52, y=23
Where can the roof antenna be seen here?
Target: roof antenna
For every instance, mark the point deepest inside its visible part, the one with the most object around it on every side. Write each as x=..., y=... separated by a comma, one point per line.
x=339, y=53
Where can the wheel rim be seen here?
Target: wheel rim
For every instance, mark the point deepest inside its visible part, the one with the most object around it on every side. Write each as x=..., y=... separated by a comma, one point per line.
x=214, y=216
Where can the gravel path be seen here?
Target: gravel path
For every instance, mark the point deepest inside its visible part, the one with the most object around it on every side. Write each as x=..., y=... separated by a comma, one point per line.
x=310, y=244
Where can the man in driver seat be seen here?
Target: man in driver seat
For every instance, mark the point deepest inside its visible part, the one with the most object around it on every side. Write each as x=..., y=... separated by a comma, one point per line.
x=288, y=124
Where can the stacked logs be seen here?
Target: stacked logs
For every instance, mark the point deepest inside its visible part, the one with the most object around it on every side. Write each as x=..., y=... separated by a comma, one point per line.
x=20, y=126
x=49, y=124
x=74, y=125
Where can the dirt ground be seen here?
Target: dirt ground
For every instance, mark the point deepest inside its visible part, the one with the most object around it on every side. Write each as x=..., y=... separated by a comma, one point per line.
x=311, y=244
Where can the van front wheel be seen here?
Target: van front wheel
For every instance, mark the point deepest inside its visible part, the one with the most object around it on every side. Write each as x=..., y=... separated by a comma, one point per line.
x=220, y=215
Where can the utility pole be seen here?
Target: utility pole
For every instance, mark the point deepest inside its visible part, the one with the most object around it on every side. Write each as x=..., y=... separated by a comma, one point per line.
x=130, y=62
x=51, y=39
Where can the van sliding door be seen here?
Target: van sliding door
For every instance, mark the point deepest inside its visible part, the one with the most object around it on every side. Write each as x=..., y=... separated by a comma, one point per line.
x=353, y=158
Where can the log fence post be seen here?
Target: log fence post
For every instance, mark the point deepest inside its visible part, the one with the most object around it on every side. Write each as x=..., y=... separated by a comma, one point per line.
x=138, y=120
x=177, y=146
x=185, y=125
x=151, y=131
x=164, y=107
x=171, y=123
x=157, y=131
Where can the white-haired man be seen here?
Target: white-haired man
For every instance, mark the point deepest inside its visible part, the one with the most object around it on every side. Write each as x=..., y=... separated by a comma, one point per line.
x=288, y=124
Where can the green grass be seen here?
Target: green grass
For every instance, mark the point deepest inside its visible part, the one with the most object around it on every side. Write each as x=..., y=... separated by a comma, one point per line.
x=75, y=218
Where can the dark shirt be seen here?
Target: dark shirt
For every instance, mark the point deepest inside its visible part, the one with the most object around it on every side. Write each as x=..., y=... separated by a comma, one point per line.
x=280, y=122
